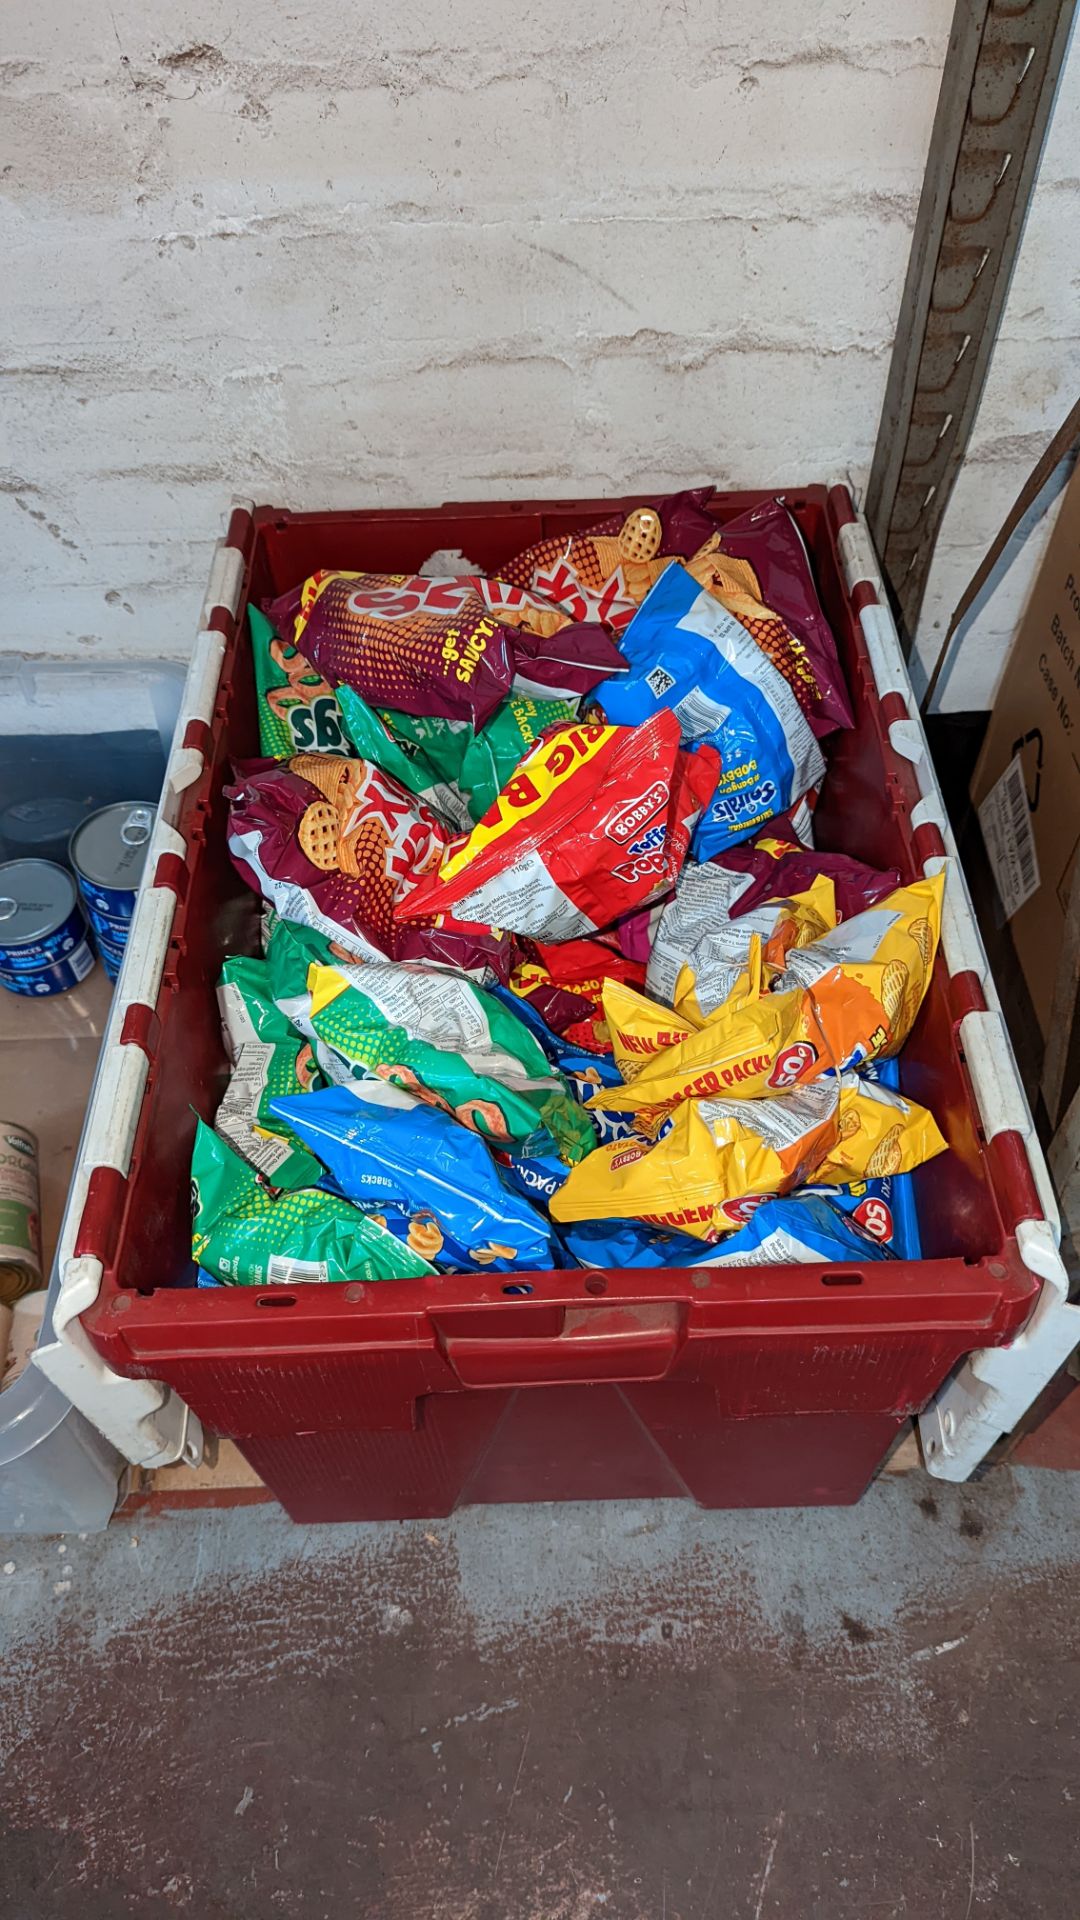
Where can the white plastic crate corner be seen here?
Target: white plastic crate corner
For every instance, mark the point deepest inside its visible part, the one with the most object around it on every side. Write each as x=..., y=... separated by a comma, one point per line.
x=995, y=1386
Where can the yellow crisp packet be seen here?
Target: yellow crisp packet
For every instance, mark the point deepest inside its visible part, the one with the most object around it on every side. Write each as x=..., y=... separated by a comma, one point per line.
x=712, y=1159
x=639, y=1028
x=880, y=1133
x=869, y=975
x=716, y=952
x=754, y=1045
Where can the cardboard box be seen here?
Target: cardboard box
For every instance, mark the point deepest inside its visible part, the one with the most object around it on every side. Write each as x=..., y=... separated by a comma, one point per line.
x=1026, y=787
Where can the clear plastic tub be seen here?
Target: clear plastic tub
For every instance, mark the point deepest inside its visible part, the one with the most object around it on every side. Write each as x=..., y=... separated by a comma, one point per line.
x=73, y=739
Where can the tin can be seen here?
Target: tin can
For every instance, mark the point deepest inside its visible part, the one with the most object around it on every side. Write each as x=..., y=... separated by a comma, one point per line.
x=20, y=1213
x=40, y=829
x=43, y=945
x=108, y=852
x=111, y=957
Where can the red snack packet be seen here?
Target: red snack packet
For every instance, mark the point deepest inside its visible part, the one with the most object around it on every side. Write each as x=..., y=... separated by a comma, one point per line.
x=781, y=865
x=595, y=821
x=768, y=538
x=332, y=843
x=605, y=573
x=564, y=982
x=570, y=961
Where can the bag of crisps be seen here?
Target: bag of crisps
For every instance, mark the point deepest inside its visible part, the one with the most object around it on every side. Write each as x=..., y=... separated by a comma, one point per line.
x=268, y=1057
x=595, y=822
x=443, y=1040
x=564, y=982
x=404, y=758
x=834, y=1130
x=444, y=762
x=709, y=1164
x=332, y=843
x=754, y=1045
x=801, y=1229
x=412, y=644
x=604, y=573
x=566, y=666
x=298, y=710
x=451, y=646
x=247, y=1233
x=881, y=1134
x=641, y=1029
x=778, y=863
x=493, y=754
x=868, y=976
x=685, y=652
x=881, y=1205
x=419, y=1162
x=768, y=540
x=698, y=932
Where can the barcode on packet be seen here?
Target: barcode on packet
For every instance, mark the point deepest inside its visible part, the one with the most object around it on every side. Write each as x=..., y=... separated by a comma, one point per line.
x=280, y=1268
x=697, y=714
x=1005, y=819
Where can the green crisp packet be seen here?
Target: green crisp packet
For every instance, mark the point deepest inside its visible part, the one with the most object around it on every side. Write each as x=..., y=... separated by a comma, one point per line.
x=298, y=709
x=268, y=1058
x=444, y=762
x=412, y=751
x=249, y=1234
x=492, y=755
x=431, y=1034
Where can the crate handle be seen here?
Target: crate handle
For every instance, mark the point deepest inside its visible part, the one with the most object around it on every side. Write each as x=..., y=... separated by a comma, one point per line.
x=636, y=1341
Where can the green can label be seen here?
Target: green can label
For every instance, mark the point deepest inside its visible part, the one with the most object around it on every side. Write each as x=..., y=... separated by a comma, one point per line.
x=20, y=1200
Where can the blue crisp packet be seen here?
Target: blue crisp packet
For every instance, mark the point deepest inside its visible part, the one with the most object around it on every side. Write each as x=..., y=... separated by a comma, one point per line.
x=684, y=650
x=585, y=1073
x=795, y=1230
x=884, y=1208
x=422, y=1163
x=534, y=1170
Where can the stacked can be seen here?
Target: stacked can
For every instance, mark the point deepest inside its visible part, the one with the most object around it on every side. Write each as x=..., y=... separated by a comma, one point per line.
x=43, y=944
x=108, y=853
x=20, y=1213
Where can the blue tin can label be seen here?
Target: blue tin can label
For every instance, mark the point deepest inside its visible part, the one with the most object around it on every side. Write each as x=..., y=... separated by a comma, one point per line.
x=42, y=929
x=59, y=976
x=112, y=959
x=106, y=928
x=108, y=853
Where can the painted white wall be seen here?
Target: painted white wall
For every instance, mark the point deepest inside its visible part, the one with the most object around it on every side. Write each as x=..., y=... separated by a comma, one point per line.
x=340, y=254
x=345, y=255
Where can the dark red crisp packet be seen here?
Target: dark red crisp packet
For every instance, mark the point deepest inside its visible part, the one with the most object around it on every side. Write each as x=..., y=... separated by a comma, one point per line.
x=417, y=646
x=768, y=538
x=333, y=843
x=781, y=866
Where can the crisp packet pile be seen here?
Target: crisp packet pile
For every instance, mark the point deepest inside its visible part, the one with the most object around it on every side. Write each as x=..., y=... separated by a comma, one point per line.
x=552, y=972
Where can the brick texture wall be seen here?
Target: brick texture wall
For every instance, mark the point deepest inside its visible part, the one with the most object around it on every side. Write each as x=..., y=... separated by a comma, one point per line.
x=340, y=255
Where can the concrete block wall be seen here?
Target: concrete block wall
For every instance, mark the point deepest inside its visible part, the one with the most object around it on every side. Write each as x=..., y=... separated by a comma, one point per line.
x=367, y=254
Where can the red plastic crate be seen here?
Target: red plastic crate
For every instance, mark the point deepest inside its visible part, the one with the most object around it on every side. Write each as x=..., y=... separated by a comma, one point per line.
x=762, y=1387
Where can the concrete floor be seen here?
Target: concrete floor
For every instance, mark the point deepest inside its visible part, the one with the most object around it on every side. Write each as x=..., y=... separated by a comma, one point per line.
x=641, y=1713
